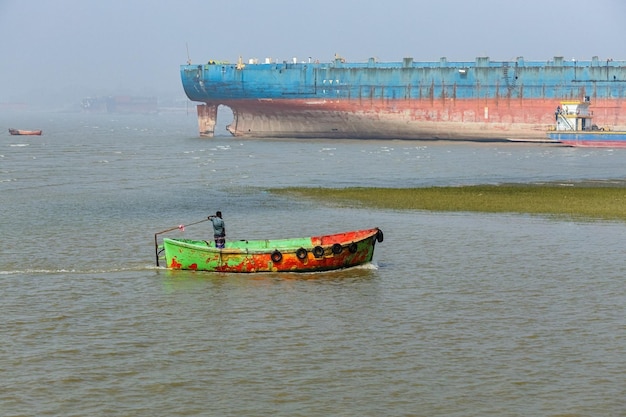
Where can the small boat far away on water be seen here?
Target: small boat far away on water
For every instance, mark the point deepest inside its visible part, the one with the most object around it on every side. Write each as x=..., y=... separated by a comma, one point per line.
x=16, y=132
x=480, y=100
x=308, y=254
x=574, y=127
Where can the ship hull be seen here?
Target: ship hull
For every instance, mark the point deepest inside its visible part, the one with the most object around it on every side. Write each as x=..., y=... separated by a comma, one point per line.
x=482, y=100
x=459, y=120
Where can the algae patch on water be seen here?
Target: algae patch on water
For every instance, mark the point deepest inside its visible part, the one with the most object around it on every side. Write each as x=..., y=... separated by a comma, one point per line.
x=582, y=200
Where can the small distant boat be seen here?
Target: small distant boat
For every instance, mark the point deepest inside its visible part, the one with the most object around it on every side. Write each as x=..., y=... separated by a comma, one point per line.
x=318, y=253
x=574, y=127
x=25, y=132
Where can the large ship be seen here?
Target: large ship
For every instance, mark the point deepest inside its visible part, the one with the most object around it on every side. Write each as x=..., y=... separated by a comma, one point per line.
x=476, y=100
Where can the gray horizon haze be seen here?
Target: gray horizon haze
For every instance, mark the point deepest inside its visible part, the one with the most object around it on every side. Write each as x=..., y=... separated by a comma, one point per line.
x=59, y=51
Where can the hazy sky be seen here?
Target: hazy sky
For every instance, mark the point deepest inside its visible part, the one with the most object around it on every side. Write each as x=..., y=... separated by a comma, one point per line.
x=67, y=49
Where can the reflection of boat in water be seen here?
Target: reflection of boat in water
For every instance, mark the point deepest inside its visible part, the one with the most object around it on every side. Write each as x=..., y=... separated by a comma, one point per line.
x=574, y=127
x=317, y=253
x=25, y=132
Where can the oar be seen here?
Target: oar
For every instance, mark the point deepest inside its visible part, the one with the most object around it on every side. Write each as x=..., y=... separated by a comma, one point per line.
x=179, y=227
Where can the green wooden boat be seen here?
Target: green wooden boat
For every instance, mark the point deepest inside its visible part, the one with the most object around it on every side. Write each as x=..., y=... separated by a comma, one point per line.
x=317, y=253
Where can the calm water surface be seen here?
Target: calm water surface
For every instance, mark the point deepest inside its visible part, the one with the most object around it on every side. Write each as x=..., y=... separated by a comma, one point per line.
x=460, y=314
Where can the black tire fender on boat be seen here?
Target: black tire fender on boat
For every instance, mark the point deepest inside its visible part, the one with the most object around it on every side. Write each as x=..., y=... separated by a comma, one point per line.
x=302, y=253
x=337, y=248
x=318, y=251
x=353, y=247
x=379, y=235
x=277, y=256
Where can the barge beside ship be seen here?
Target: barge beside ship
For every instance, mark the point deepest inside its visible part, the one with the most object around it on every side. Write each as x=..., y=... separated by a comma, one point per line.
x=575, y=126
x=444, y=100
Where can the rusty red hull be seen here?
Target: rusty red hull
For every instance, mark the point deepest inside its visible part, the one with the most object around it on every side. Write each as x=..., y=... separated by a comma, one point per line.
x=488, y=119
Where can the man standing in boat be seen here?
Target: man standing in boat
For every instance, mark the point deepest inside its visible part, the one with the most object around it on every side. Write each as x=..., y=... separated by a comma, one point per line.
x=219, y=229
